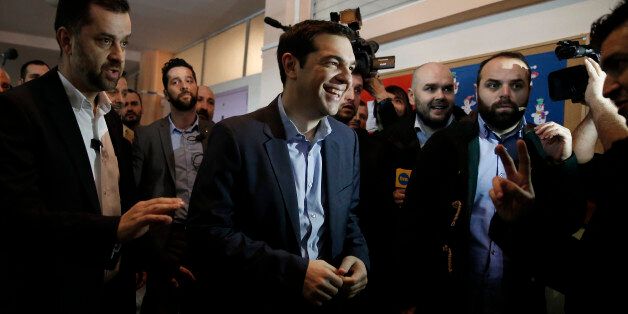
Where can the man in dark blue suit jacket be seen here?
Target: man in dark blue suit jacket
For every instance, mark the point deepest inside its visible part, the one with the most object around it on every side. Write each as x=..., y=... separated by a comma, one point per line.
x=272, y=212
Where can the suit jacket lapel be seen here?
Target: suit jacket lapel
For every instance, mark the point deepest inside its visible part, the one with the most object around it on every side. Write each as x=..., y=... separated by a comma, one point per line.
x=472, y=157
x=65, y=122
x=166, y=145
x=204, y=127
x=280, y=161
x=332, y=184
x=473, y=151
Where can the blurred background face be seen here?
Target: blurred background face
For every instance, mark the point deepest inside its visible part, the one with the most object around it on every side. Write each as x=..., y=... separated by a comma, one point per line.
x=117, y=95
x=503, y=92
x=351, y=100
x=359, y=120
x=363, y=115
x=34, y=71
x=5, y=81
x=433, y=94
x=205, y=102
x=614, y=53
x=182, y=89
x=400, y=105
x=131, y=112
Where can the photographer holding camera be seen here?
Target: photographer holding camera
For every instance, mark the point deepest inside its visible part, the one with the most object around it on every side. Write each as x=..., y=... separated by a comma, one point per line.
x=585, y=269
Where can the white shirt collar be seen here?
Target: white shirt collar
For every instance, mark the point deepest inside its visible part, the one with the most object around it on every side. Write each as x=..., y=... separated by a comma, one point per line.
x=323, y=129
x=79, y=101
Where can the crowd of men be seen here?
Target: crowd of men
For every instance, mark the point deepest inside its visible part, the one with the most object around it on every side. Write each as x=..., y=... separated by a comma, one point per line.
x=295, y=207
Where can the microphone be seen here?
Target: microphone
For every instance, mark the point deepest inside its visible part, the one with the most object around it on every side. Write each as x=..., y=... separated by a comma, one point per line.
x=9, y=54
x=95, y=144
x=402, y=177
x=201, y=136
x=274, y=23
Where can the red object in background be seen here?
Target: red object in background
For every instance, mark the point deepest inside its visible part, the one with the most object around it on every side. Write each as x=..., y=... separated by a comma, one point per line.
x=403, y=81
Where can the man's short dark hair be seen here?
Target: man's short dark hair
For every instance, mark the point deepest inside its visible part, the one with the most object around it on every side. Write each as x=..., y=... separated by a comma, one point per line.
x=173, y=63
x=73, y=15
x=606, y=24
x=299, y=40
x=25, y=66
x=504, y=54
x=132, y=91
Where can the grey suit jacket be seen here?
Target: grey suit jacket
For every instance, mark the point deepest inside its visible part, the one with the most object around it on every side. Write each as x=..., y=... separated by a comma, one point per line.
x=243, y=223
x=153, y=158
x=153, y=163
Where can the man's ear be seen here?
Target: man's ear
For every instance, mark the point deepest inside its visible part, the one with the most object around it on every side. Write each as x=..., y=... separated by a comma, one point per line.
x=166, y=95
x=290, y=64
x=411, y=96
x=64, y=39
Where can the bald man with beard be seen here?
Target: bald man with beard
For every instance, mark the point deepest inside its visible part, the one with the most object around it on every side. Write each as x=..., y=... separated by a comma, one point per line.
x=400, y=148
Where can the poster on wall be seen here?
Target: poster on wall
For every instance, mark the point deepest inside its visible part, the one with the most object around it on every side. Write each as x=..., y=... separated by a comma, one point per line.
x=540, y=109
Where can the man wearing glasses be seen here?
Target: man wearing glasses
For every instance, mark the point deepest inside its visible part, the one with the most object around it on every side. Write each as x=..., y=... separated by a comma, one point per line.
x=166, y=158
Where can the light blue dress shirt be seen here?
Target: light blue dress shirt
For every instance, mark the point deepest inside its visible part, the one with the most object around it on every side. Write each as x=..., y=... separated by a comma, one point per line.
x=188, y=154
x=488, y=263
x=306, y=162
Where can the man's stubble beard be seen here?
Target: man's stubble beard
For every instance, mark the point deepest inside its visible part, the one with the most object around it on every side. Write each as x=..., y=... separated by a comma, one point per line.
x=96, y=80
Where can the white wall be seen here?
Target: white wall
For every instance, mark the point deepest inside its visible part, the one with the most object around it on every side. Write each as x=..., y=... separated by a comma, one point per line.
x=224, y=55
x=253, y=82
x=287, y=12
x=194, y=56
x=548, y=21
x=256, y=41
x=528, y=26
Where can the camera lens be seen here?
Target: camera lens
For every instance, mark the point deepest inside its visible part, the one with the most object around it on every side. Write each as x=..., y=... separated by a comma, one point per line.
x=566, y=52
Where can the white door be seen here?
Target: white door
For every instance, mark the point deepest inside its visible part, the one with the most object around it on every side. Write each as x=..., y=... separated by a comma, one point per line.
x=231, y=103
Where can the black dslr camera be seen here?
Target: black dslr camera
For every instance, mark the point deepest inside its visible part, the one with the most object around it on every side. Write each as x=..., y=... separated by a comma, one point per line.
x=366, y=64
x=571, y=82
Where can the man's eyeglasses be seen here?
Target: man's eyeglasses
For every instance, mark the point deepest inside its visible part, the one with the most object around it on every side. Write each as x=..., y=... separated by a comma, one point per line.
x=197, y=159
x=195, y=138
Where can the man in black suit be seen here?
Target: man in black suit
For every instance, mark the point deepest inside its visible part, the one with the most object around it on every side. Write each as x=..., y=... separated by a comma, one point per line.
x=58, y=173
x=400, y=148
x=167, y=154
x=272, y=213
